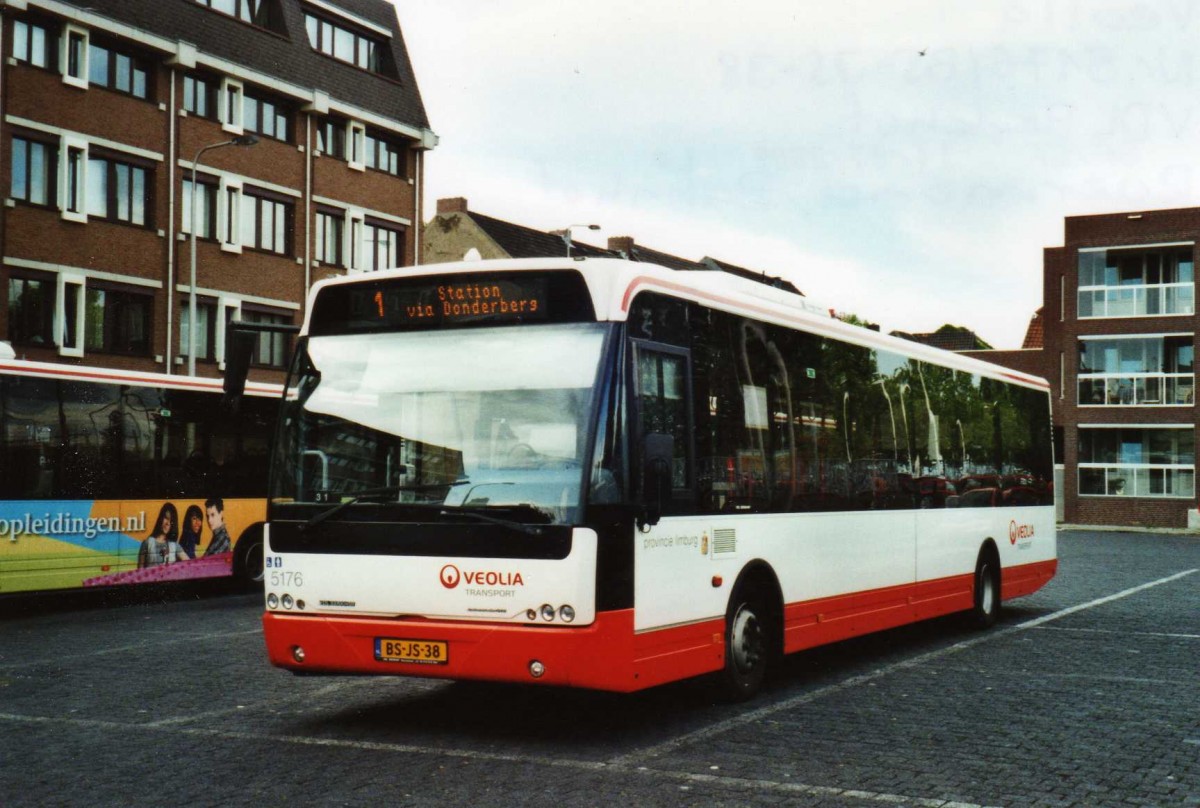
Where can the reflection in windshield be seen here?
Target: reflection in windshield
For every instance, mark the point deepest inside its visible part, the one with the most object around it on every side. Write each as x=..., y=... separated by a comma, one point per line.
x=489, y=417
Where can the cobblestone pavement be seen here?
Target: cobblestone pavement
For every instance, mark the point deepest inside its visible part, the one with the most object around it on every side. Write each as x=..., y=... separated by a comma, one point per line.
x=1085, y=694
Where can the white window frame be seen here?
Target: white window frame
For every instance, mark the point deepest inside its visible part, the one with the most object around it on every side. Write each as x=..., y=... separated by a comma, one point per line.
x=80, y=81
x=67, y=144
x=64, y=280
x=229, y=220
x=356, y=145
x=232, y=87
x=353, y=234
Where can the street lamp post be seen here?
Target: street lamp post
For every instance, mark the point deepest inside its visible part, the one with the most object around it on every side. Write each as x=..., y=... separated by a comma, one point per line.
x=565, y=234
x=240, y=140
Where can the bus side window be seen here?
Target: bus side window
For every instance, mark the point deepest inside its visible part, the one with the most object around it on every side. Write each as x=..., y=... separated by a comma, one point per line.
x=663, y=400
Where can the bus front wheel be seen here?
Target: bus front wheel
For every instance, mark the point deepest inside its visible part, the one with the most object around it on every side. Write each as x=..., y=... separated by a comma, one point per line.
x=746, y=648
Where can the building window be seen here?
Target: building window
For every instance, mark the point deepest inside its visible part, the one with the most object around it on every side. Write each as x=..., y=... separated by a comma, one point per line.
x=256, y=12
x=231, y=196
x=231, y=106
x=271, y=350
x=200, y=96
x=266, y=224
x=336, y=40
x=117, y=191
x=76, y=70
x=331, y=137
x=33, y=44
x=206, y=208
x=204, y=329
x=75, y=184
x=356, y=135
x=1138, y=371
x=118, y=321
x=383, y=154
x=330, y=233
x=266, y=118
x=31, y=311
x=1136, y=282
x=1137, y=462
x=118, y=71
x=383, y=246
x=34, y=171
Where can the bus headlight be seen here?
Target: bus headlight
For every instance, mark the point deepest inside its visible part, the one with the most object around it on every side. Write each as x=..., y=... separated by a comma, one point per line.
x=272, y=601
x=567, y=614
x=547, y=612
x=287, y=601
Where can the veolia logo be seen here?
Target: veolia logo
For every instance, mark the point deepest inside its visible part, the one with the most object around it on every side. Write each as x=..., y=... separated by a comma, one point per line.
x=451, y=575
x=1016, y=532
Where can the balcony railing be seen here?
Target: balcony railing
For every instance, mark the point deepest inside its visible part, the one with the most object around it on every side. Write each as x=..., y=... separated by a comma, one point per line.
x=1137, y=301
x=1137, y=480
x=1136, y=389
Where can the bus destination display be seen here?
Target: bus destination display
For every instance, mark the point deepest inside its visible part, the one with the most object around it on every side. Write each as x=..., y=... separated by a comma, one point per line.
x=451, y=301
x=458, y=302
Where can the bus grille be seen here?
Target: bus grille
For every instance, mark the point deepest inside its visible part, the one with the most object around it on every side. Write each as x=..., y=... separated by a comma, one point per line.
x=724, y=541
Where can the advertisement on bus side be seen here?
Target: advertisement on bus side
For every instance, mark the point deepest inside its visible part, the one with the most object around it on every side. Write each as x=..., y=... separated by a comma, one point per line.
x=57, y=544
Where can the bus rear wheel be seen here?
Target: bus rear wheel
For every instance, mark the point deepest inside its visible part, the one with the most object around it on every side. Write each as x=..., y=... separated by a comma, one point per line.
x=746, y=649
x=987, y=590
x=248, y=559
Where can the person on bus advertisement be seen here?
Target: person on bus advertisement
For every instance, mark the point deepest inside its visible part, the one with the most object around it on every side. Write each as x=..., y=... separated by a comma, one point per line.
x=161, y=547
x=215, y=506
x=193, y=526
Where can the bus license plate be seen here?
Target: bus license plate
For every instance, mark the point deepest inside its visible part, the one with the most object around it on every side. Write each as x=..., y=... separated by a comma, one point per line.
x=422, y=652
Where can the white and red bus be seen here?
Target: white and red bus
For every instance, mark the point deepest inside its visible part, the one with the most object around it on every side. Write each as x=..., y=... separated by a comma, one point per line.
x=612, y=475
x=111, y=477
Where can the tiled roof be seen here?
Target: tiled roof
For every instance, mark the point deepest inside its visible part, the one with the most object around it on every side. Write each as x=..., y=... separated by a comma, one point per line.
x=948, y=338
x=1035, y=335
x=289, y=58
x=525, y=242
x=649, y=256
x=761, y=277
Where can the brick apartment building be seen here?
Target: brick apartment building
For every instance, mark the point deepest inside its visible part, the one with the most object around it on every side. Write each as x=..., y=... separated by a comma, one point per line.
x=105, y=106
x=1119, y=329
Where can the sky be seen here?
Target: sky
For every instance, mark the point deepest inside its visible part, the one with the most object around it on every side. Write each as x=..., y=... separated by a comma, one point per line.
x=905, y=161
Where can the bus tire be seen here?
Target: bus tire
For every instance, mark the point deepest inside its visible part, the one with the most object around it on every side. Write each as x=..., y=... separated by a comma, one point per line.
x=986, y=609
x=747, y=646
x=248, y=557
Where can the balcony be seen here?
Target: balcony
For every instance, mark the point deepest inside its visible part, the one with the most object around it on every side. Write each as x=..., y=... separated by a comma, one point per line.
x=1136, y=389
x=1137, y=300
x=1137, y=480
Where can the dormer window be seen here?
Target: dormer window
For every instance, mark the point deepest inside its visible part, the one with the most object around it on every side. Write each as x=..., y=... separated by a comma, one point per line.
x=346, y=44
x=262, y=13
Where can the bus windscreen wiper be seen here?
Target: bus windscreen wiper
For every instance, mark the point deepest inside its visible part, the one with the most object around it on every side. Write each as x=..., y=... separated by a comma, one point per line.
x=520, y=527
x=368, y=493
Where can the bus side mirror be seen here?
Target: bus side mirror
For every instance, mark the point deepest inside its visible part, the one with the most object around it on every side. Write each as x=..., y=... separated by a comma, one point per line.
x=658, y=451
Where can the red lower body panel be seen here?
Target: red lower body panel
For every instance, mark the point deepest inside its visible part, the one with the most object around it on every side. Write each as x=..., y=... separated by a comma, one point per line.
x=609, y=655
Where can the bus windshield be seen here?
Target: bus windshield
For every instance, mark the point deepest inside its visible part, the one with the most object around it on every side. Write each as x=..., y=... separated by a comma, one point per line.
x=447, y=420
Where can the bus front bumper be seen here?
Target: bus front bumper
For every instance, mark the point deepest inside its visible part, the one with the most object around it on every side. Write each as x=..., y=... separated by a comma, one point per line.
x=607, y=655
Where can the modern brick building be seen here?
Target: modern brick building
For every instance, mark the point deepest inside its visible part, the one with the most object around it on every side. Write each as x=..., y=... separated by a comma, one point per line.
x=108, y=108
x=1119, y=327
